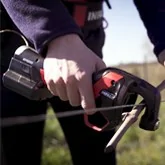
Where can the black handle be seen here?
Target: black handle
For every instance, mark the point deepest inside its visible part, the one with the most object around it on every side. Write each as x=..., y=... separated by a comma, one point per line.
x=152, y=98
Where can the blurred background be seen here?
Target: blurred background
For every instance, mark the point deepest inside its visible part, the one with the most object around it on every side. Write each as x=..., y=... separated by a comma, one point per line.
x=127, y=47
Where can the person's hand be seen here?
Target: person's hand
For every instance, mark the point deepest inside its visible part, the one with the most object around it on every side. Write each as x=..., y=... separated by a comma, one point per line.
x=161, y=57
x=68, y=68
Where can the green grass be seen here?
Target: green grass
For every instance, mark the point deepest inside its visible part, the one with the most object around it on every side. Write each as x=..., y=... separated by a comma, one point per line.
x=137, y=147
x=140, y=147
x=55, y=150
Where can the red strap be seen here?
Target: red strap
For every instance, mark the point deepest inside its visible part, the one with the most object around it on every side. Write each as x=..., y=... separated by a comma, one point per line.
x=80, y=14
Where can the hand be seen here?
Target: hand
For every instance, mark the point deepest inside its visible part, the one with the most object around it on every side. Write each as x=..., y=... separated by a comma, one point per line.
x=68, y=68
x=161, y=58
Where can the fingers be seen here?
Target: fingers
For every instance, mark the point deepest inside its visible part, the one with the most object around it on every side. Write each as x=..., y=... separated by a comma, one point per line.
x=57, y=88
x=75, y=91
x=56, y=85
x=87, y=96
x=72, y=91
x=69, y=82
x=74, y=63
x=61, y=89
x=66, y=90
x=51, y=87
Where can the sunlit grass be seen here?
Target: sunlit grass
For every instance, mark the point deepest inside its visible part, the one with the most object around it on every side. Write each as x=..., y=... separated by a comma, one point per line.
x=140, y=147
x=137, y=147
x=55, y=149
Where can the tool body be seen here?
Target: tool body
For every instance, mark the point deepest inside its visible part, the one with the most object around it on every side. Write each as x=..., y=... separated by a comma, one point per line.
x=111, y=87
x=25, y=74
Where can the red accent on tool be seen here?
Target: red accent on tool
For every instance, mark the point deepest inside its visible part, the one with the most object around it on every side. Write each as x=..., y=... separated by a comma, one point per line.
x=99, y=129
x=42, y=75
x=105, y=82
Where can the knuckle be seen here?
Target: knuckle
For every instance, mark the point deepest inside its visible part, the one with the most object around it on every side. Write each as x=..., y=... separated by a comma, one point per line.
x=74, y=103
x=53, y=92
x=81, y=75
x=70, y=80
x=50, y=85
x=58, y=80
x=63, y=98
x=49, y=82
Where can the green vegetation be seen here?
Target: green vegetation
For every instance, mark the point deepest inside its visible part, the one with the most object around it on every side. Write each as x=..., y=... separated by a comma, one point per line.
x=140, y=147
x=55, y=150
x=137, y=147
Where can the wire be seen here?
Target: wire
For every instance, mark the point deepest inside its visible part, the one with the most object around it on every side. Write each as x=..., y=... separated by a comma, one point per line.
x=10, y=121
x=17, y=33
x=5, y=122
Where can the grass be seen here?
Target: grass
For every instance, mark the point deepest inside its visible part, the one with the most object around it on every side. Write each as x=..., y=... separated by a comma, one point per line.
x=140, y=147
x=55, y=151
x=137, y=147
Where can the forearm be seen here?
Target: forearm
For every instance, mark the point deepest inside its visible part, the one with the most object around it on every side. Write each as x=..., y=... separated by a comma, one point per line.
x=41, y=21
x=152, y=13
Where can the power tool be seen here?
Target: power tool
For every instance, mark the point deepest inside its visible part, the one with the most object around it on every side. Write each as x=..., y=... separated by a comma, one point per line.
x=111, y=87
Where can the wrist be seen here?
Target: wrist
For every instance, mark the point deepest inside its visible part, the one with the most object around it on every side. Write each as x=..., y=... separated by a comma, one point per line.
x=64, y=40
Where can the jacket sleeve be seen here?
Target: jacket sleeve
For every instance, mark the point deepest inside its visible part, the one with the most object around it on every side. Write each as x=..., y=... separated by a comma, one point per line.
x=152, y=13
x=41, y=20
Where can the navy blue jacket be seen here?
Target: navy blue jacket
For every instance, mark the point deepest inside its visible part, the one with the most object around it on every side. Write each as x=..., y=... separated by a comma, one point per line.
x=42, y=20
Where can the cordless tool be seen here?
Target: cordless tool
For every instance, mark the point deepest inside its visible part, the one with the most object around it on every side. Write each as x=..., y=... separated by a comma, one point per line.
x=111, y=86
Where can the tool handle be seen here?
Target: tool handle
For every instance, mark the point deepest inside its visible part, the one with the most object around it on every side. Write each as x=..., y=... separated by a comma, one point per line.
x=96, y=117
x=106, y=84
x=42, y=76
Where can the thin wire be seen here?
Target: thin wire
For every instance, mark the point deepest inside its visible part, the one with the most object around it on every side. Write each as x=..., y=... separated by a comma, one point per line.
x=15, y=32
x=32, y=119
x=10, y=121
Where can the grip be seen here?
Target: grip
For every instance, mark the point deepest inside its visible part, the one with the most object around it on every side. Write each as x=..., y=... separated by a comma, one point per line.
x=152, y=98
x=42, y=76
x=103, y=83
x=97, y=117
